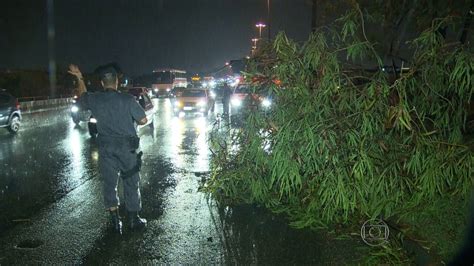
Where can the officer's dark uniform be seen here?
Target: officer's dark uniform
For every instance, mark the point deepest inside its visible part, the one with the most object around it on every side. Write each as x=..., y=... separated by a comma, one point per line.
x=116, y=114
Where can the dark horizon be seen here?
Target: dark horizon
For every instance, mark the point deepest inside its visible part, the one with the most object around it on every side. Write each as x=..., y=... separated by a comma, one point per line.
x=196, y=36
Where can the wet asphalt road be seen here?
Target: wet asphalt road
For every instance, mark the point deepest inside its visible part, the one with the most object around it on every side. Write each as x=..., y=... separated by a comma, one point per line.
x=51, y=205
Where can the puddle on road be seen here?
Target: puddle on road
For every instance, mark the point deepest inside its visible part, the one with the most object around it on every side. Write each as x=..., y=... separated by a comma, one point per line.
x=41, y=167
x=243, y=234
x=187, y=227
x=157, y=176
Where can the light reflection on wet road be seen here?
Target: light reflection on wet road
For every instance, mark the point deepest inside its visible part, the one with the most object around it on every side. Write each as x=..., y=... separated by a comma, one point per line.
x=49, y=182
x=46, y=160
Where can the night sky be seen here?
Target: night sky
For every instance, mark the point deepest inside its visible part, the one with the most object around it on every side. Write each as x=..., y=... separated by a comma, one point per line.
x=195, y=35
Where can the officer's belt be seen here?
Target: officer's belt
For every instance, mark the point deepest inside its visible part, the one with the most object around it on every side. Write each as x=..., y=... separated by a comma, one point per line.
x=132, y=142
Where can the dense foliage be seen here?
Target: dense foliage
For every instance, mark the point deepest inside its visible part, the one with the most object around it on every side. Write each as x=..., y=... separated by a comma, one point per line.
x=343, y=142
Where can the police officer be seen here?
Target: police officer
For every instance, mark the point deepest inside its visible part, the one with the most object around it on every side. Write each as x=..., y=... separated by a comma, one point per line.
x=226, y=93
x=116, y=114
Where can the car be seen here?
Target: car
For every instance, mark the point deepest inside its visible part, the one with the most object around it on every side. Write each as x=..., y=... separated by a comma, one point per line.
x=10, y=114
x=141, y=96
x=161, y=92
x=146, y=103
x=176, y=92
x=77, y=114
x=194, y=101
x=243, y=98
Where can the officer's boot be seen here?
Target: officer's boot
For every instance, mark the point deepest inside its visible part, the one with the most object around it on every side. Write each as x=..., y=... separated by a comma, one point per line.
x=116, y=222
x=136, y=222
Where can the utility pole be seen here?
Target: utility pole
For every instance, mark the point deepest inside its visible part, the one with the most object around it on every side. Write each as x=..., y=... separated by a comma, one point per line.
x=269, y=20
x=51, y=56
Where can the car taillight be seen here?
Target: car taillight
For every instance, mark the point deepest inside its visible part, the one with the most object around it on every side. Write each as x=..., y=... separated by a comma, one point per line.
x=17, y=104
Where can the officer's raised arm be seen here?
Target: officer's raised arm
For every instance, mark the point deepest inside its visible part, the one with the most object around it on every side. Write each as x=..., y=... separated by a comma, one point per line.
x=75, y=71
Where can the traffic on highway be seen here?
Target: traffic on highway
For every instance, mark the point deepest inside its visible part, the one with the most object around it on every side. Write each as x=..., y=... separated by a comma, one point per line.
x=50, y=178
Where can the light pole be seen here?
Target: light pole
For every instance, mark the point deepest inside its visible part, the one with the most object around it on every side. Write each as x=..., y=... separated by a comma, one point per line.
x=254, y=49
x=51, y=56
x=260, y=25
x=269, y=19
x=254, y=46
x=254, y=40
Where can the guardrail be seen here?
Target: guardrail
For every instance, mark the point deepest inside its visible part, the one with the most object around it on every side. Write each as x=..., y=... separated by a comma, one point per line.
x=36, y=98
x=38, y=103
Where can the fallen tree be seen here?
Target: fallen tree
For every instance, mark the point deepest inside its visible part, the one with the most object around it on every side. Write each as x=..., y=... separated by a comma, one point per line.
x=343, y=144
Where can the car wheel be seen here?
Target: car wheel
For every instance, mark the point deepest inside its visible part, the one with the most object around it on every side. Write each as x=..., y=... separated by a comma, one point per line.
x=14, y=125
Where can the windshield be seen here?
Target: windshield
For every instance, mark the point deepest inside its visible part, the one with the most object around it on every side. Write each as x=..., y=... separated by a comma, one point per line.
x=194, y=93
x=164, y=77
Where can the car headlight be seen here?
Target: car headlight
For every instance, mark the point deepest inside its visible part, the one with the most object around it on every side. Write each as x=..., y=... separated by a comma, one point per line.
x=93, y=120
x=168, y=89
x=236, y=102
x=74, y=109
x=156, y=90
x=266, y=103
x=201, y=103
x=178, y=104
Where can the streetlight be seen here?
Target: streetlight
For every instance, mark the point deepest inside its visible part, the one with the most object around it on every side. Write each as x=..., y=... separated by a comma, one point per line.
x=254, y=40
x=260, y=25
